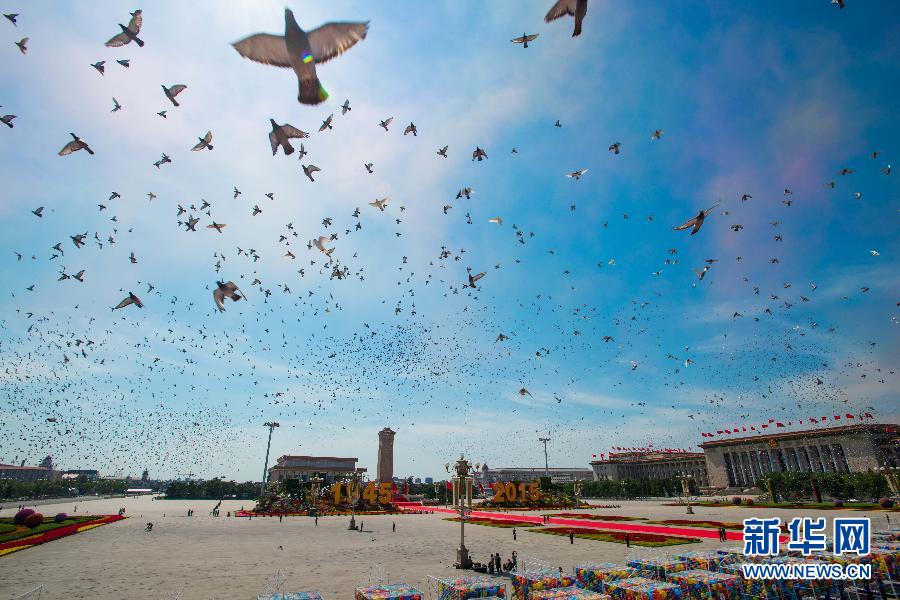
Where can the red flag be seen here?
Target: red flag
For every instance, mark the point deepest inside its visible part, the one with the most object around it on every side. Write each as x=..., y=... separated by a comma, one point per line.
x=719, y=431
x=849, y=416
x=837, y=417
x=813, y=419
x=779, y=424
x=752, y=428
x=449, y=485
x=764, y=426
x=771, y=420
x=868, y=415
x=480, y=487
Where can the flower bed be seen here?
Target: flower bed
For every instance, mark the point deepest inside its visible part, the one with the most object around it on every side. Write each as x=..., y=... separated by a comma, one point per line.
x=524, y=507
x=487, y=521
x=305, y=513
x=650, y=540
x=51, y=531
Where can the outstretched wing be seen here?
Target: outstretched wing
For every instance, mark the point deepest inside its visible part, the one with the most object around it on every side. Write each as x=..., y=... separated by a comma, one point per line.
x=69, y=148
x=689, y=223
x=264, y=48
x=333, y=39
x=273, y=139
x=118, y=40
x=219, y=297
x=293, y=132
x=176, y=89
x=137, y=20
x=562, y=8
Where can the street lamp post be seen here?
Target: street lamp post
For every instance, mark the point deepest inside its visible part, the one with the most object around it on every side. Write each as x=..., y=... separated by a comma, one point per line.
x=546, y=461
x=315, y=484
x=462, y=501
x=353, y=496
x=685, y=479
x=271, y=425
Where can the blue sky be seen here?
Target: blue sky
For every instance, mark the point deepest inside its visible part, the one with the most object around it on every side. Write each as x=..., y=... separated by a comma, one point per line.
x=752, y=98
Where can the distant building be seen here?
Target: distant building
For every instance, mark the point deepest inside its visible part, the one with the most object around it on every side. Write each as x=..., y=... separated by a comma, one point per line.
x=429, y=480
x=651, y=465
x=25, y=473
x=330, y=468
x=89, y=474
x=741, y=462
x=557, y=474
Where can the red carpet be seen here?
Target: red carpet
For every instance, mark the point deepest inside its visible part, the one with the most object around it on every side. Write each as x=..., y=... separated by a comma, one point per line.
x=694, y=532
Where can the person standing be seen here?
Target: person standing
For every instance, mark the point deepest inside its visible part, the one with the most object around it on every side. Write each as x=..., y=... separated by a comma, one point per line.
x=571, y=538
x=627, y=541
x=514, y=534
x=393, y=527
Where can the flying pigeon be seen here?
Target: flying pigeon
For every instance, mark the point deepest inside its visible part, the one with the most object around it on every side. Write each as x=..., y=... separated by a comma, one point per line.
x=326, y=124
x=38, y=212
x=466, y=191
x=345, y=107
x=443, y=151
x=301, y=51
x=131, y=299
x=281, y=135
x=614, y=148
x=380, y=204
x=309, y=170
x=386, y=122
x=74, y=146
x=320, y=245
x=524, y=392
x=572, y=8
x=501, y=338
x=173, y=91
x=129, y=33
x=576, y=174
x=99, y=65
x=497, y=220
x=369, y=166
x=124, y=62
x=203, y=143
x=657, y=134
x=225, y=290
x=217, y=226
x=23, y=45
x=116, y=106
x=696, y=222
x=479, y=154
x=474, y=278
x=524, y=39
x=7, y=120
x=12, y=18
x=411, y=128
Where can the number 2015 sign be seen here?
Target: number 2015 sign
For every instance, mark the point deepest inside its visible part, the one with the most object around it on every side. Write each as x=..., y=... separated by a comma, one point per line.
x=511, y=492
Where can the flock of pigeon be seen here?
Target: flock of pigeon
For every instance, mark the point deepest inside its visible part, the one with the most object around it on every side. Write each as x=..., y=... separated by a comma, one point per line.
x=54, y=363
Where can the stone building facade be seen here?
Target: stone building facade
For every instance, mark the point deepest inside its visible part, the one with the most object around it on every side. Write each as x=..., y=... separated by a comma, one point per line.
x=741, y=462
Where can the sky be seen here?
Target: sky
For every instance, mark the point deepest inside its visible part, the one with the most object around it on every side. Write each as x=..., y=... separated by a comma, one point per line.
x=612, y=334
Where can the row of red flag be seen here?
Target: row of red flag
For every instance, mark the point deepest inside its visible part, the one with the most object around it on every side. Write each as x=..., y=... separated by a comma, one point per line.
x=779, y=424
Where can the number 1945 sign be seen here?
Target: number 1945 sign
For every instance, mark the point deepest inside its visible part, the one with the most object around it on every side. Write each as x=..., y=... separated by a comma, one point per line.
x=374, y=493
x=510, y=492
